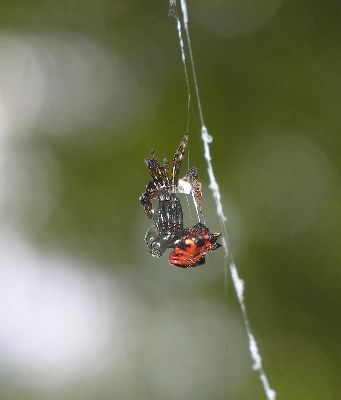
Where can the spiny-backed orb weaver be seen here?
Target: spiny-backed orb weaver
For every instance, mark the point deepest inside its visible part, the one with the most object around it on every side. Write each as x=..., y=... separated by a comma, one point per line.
x=190, y=245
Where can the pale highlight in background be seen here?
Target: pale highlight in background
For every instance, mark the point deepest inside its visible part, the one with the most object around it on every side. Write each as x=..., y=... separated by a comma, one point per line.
x=62, y=82
x=55, y=322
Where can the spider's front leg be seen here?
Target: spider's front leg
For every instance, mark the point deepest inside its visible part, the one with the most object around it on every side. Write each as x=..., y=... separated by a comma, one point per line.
x=158, y=171
x=146, y=198
x=160, y=179
x=191, y=184
x=177, y=160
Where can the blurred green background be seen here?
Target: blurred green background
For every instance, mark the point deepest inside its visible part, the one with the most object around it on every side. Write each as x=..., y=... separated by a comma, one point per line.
x=87, y=89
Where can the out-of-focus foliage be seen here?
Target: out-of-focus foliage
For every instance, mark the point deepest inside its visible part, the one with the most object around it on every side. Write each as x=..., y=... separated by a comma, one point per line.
x=87, y=89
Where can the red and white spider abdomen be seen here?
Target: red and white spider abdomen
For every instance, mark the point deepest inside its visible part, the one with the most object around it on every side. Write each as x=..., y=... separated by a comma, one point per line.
x=191, y=249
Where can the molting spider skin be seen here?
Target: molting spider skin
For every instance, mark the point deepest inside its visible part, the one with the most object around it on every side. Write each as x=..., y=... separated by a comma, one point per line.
x=165, y=184
x=190, y=250
x=164, y=178
x=168, y=218
x=168, y=225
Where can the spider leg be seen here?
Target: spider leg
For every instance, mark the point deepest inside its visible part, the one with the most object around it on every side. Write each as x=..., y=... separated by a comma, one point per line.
x=152, y=191
x=164, y=170
x=177, y=159
x=158, y=172
x=191, y=178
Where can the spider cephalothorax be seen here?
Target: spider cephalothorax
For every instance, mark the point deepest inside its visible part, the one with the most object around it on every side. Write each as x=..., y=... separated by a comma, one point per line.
x=165, y=185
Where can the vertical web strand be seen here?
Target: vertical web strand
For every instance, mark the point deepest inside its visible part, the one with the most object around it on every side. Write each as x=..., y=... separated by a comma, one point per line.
x=207, y=139
x=174, y=12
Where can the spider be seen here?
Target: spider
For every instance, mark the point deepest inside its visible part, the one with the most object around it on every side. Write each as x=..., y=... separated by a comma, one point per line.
x=190, y=245
x=165, y=185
